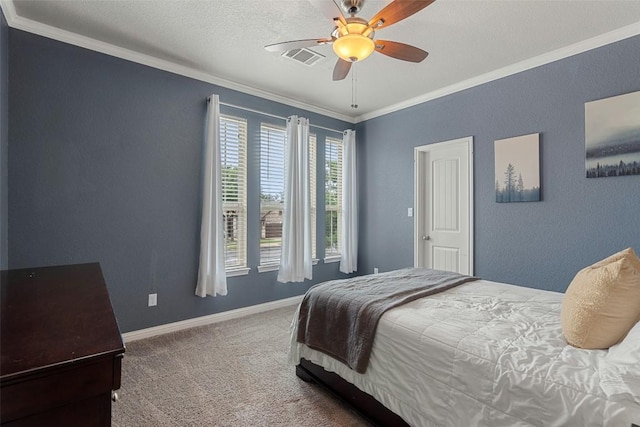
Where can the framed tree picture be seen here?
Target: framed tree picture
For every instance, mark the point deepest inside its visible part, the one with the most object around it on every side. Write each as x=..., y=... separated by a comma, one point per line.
x=612, y=136
x=517, y=169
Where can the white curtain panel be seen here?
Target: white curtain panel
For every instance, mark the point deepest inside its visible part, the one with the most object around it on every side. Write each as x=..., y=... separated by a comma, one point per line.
x=295, y=260
x=212, y=277
x=349, y=235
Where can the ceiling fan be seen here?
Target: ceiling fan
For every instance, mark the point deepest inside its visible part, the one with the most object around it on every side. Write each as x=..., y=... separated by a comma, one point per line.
x=352, y=38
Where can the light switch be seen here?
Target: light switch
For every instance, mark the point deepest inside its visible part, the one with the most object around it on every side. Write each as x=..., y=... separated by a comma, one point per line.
x=409, y=212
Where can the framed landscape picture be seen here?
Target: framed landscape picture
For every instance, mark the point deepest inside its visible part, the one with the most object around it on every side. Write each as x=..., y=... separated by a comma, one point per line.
x=517, y=169
x=612, y=136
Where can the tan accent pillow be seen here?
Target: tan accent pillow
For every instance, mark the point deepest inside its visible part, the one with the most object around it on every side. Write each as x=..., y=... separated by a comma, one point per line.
x=602, y=303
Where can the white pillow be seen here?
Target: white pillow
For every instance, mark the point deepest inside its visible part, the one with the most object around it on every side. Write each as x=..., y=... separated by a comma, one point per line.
x=620, y=369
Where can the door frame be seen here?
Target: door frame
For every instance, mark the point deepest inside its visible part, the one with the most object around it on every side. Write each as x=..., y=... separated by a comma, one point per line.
x=420, y=180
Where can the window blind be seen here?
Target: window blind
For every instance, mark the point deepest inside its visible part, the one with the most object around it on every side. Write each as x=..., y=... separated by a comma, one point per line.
x=333, y=196
x=272, y=173
x=313, y=191
x=233, y=157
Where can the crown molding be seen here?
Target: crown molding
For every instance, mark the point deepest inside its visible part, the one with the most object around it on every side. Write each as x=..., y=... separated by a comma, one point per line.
x=546, y=58
x=9, y=11
x=28, y=25
x=20, y=23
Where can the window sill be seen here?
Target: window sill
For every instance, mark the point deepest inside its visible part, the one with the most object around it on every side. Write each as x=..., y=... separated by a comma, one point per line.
x=238, y=272
x=274, y=267
x=268, y=267
x=332, y=258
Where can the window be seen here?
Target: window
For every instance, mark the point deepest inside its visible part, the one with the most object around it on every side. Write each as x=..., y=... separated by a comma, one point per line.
x=312, y=191
x=272, y=174
x=272, y=150
x=233, y=158
x=333, y=197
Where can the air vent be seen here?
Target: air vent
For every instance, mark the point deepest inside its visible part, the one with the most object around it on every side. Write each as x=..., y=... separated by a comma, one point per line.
x=304, y=56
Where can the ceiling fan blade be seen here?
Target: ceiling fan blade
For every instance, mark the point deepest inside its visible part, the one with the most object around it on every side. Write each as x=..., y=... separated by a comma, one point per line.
x=330, y=9
x=296, y=44
x=341, y=69
x=401, y=51
x=396, y=11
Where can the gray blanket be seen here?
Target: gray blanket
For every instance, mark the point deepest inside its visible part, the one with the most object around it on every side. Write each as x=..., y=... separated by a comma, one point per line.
x=340, y=317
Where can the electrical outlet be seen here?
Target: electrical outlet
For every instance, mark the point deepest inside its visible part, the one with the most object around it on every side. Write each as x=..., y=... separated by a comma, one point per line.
x=375, y=270
x=153, y=300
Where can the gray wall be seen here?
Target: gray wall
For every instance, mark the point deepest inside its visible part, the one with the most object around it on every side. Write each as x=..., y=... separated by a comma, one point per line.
x=540, y=244
x=105, y=165
x=4, y=139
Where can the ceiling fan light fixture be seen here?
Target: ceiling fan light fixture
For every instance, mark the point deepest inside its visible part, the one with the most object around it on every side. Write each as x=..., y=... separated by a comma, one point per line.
x=353, y=47
x=353, y=37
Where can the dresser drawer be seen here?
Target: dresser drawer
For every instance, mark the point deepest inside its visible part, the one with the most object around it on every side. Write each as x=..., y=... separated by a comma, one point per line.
x=60, y=387
x=91, y=412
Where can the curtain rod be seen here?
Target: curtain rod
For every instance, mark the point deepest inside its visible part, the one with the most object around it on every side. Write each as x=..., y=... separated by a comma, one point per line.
x=273, y=115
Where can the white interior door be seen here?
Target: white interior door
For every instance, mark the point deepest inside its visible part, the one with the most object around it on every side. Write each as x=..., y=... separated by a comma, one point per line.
x=443, y=223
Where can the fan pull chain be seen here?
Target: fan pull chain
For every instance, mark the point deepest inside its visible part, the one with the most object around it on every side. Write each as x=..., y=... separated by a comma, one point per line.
x=354, y=85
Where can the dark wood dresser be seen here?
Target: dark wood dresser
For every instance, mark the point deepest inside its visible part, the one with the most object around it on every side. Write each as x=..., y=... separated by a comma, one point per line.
x=61, y=347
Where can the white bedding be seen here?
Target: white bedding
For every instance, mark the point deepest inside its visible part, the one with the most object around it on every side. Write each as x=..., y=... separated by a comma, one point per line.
x=483, y=354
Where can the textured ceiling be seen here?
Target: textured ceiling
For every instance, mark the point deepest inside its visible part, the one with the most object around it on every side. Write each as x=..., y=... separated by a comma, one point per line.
x=225, y=38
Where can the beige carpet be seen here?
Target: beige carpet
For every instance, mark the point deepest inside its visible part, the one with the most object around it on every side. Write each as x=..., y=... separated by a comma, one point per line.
x=233, y=373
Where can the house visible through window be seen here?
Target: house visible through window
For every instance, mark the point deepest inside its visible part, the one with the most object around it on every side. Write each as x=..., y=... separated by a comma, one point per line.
x=333, y=196
x=233, y=149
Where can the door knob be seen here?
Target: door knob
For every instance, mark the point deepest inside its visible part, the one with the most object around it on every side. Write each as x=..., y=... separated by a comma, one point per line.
x=426, y=238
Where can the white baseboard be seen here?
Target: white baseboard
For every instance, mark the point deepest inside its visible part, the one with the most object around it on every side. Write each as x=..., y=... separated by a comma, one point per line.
x=207, y=320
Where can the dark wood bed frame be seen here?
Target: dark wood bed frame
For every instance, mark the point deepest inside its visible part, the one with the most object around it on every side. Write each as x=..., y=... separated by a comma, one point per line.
x=365, y=404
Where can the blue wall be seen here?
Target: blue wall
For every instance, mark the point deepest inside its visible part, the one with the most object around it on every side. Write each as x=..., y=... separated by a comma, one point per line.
x=4, y=139
x=105, y=165
x=540, y=244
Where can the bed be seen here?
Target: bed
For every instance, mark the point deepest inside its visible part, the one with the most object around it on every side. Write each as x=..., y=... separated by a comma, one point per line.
x=481, y=353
